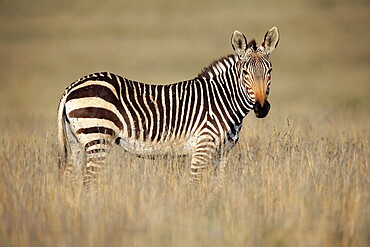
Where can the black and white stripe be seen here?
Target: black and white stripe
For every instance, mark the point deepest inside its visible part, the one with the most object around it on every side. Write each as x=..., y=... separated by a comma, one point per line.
x=201, y=117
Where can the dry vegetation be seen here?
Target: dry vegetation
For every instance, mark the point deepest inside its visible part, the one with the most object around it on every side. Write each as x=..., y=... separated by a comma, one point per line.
x=300, y=177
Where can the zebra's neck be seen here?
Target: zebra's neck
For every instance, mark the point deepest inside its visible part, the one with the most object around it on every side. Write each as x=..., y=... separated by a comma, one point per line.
x=223, y=78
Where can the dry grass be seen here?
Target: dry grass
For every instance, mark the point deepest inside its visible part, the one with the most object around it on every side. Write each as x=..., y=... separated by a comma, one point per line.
x=300, y=177
x=290, y=186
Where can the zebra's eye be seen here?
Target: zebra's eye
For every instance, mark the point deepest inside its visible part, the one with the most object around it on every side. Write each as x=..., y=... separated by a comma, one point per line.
x=269, y=73
x=268, y=90
x=245, y=73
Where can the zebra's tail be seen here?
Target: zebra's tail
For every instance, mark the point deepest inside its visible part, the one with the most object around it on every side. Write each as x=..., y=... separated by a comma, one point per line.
x=63, y=151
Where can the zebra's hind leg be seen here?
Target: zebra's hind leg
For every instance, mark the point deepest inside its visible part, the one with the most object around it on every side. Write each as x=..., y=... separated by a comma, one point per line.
x=96, y=153
x=73, y=168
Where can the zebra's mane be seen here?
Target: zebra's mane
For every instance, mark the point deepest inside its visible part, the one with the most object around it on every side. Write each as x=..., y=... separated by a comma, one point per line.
x=252, y=45
x=207, y=71
x=210, y=70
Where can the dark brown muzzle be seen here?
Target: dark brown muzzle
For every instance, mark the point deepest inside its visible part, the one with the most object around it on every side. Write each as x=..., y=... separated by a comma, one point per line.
x=261, y=111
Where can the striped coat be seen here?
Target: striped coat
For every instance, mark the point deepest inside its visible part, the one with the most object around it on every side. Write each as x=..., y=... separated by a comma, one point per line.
x=201, y=117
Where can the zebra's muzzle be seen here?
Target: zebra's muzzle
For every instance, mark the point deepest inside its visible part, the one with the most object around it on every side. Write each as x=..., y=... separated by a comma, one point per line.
x=261, y=111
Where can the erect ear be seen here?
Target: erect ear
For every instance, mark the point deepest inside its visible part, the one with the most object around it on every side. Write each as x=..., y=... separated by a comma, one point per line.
x=271, y=40
x=239, y=43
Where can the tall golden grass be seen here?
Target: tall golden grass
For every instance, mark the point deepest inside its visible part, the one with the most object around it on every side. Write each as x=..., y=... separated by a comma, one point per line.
x=300, y=177
x=288, y=183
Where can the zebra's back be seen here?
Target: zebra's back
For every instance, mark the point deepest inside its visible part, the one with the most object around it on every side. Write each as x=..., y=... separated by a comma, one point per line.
x=142, y=118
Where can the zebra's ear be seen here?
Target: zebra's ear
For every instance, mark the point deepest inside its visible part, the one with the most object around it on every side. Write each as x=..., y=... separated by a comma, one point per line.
x=239, y=43
x=271, y=40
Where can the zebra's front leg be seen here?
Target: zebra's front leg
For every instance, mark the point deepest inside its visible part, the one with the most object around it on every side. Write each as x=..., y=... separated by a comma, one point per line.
x=201, y=158
x=96, y=154
x=219, y=165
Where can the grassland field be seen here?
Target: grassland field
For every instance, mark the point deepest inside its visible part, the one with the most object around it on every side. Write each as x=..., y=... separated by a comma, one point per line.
x=299, y=177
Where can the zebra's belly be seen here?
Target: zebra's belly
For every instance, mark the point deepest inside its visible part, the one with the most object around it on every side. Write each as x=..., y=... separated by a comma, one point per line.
x=152, y=149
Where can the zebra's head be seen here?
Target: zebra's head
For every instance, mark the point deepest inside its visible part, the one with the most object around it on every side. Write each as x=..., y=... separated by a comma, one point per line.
x=255, y=67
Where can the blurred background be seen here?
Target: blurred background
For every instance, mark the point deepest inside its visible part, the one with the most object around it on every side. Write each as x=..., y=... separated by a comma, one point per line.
x=321, y=65
x=299, y=177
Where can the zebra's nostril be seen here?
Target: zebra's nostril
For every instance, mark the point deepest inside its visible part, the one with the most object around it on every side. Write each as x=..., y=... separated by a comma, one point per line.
x=260, y=111
x=257, y=106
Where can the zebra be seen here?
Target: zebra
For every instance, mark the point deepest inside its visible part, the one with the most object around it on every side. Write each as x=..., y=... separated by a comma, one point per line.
x=201, y=117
